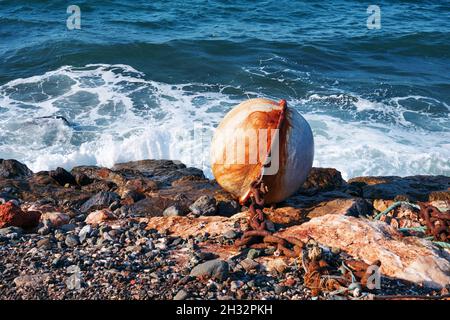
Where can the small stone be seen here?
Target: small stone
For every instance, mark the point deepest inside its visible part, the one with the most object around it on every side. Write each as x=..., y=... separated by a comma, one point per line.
x=44, y=243
x=235, y=285
x=249, y=264
x=181, y=295
x=253, y=253
x=230, y=234
x=279, y=289
x=217, y=269
x=72, y=240
x=172, y=211
x=84, y=233
x=68, y=227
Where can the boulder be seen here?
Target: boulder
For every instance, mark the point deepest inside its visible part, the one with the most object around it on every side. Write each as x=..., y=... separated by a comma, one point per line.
x=186, y=226
x=13, y=169
x=413, y=188
x=12, y=215
x=204, y=206
x=322, y=179
x=407, y=258
x=62, y=176
x=99, y=201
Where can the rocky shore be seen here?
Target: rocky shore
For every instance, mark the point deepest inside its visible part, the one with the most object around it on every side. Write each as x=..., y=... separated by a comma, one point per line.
x=156, y=229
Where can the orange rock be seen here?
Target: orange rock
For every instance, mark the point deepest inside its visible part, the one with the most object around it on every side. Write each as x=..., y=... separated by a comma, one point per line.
x=13, y=216
x=99, y=216
x=407, y=258
x=185, y=226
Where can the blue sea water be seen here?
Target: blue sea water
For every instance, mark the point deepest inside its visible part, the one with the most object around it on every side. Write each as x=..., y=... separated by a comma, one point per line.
x=138, y=76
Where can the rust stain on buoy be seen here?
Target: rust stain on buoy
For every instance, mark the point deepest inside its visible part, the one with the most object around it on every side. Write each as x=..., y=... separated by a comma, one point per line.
x=266, y=140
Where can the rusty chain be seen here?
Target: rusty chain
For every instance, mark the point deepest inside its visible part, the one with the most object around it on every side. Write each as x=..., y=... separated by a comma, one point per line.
x=258, y=235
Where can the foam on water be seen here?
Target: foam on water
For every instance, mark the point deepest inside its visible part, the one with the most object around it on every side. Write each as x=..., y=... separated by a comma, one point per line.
x=115, y=114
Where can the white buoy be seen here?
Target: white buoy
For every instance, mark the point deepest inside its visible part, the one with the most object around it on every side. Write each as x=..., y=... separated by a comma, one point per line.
x=262, y=139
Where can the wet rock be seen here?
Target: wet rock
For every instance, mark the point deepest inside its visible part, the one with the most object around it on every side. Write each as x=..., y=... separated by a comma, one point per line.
x=204, y=206
x=413, y=188
x=163, y=172
x=407, y=258
x=216, y=269
x=62, y=176
x=173, y=211
x=13, y=169
x=99, y=216
x=322, y=179
x=82, y=179
x=12, y=215
x=99, y=201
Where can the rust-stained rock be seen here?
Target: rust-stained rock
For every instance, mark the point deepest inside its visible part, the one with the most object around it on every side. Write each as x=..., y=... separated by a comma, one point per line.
x=186, y=226
x=12, y=215
x=277, y=265
x=286, y=215
x=99, y=216
x=350, y=207
x=408, y=258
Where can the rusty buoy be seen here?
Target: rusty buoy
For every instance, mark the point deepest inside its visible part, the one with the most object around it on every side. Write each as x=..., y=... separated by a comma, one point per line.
x=262, y=140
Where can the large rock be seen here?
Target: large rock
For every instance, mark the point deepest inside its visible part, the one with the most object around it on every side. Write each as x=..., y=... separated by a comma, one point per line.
x=12, y=215
x=322, y=179
x=163, y=171
x=408, y=258
x=414, y=188
x=99, y=201
x=62, y=176
x=186, y=226
x=13, y=169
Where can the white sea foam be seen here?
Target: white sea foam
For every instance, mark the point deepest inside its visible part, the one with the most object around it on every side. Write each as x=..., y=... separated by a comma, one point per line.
x=116, y=115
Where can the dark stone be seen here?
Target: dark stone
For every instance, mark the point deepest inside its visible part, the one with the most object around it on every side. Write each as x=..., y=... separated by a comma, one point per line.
x=216, y=269
x=413, y=188
x=82, y=179
x=322, y=179
x=72, y=240
x=62, y=176
x=12, y=169
x=204, y=206
x=99, y=201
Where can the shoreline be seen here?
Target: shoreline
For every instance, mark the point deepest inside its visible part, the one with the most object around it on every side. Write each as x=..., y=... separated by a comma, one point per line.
x=148, y=229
